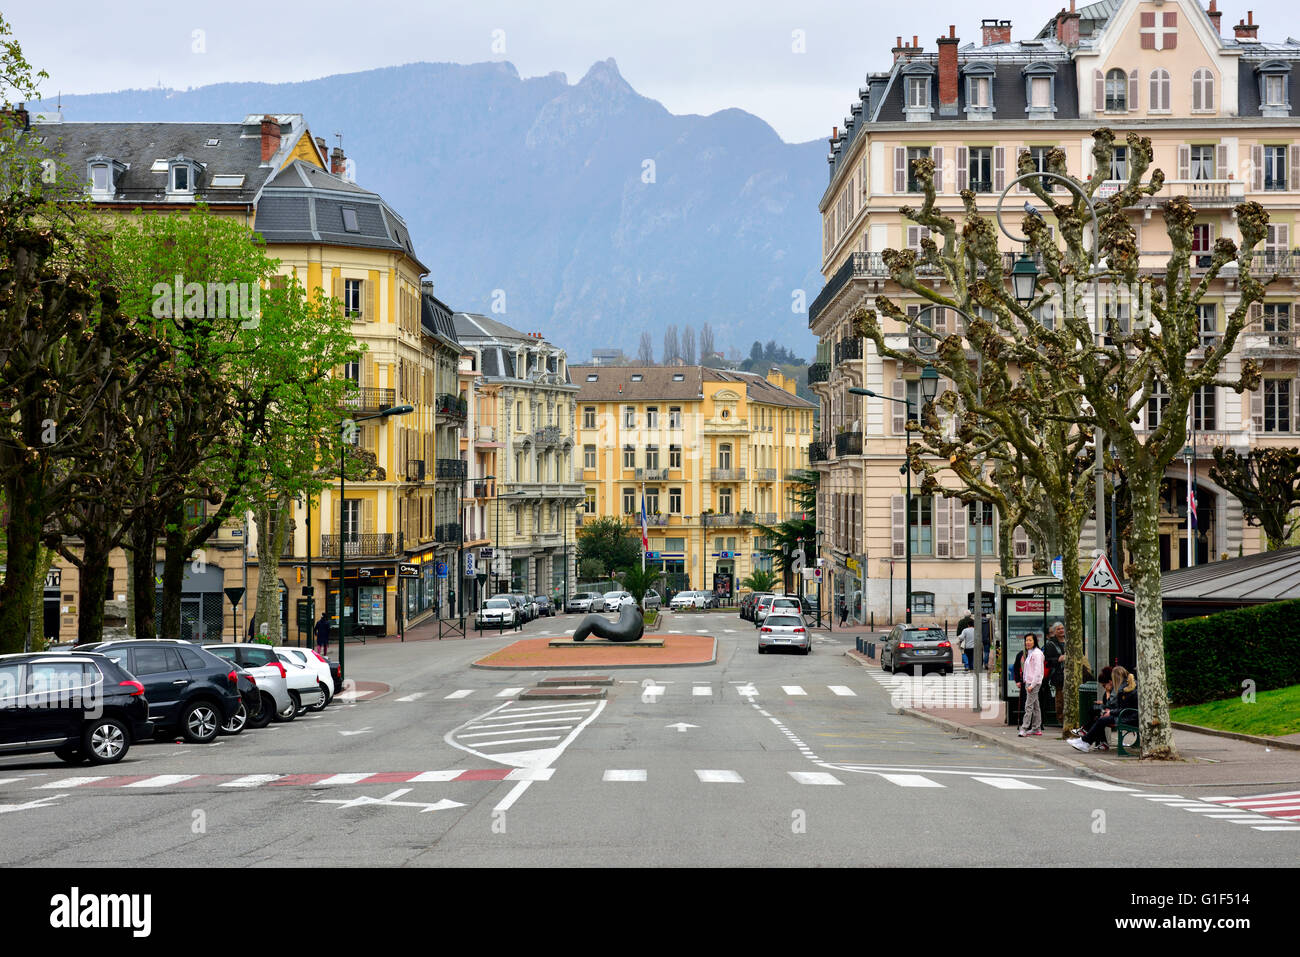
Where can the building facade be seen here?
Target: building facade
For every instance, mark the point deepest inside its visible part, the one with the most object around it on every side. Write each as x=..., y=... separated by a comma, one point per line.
x=713, y=453
x=1219, y=113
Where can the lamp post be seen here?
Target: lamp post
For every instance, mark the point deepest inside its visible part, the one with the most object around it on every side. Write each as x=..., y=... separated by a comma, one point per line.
x=492, y=478
x=1189, y=456
x=343, y=448
x=929, y=389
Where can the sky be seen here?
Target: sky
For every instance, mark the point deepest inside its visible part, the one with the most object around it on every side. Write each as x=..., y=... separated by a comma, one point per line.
x=795, y=63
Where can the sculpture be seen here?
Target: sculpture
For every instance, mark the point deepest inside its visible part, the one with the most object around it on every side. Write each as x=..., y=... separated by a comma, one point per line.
x=629, y=627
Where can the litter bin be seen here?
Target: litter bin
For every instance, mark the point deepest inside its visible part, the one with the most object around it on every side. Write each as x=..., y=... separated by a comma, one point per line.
x=1087, y=699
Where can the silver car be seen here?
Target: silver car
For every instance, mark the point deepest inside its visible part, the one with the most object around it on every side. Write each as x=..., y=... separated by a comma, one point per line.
x=784, y=630
x=272, y=679
x=908, y=646
x=614, y=600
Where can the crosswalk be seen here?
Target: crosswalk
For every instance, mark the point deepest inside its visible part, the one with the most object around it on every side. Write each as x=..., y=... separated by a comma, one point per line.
x=732, y=690
x=1281, y=810
x=525, y=735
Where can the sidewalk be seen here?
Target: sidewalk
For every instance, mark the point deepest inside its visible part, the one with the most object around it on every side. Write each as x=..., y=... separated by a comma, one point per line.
x=1207, y=760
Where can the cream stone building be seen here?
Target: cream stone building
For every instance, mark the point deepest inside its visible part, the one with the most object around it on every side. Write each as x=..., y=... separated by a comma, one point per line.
x=1220, y=115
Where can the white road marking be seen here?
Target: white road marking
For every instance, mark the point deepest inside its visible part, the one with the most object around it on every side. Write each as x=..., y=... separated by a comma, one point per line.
x=353, y=695
x=815, y=777
x=462, y=693
x=1097, y=785
x=793, y=690
x=911, y=781
x=389, y=800
x=69, y=783
x=624, y=776
x=10, y=780
x=1009, y=784
x=532, y=758
x=719, y=777
x=488, y=744
x=498, y=734
x=413, y=697
x=515, y=794
x=508, y=692
x=530, y=774
x=842, y=691
x=351, y=777
x=1284, y=827
x=29, y=805
x=511, y=708
x=251, y=781
x=430, y=777
x=552, y=715
x=702, y=690
x=161, y=781
x=511, y=724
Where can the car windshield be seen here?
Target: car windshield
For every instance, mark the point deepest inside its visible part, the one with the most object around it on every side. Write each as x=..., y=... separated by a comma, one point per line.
x=929, y=634
x=497, y=603
x=784, y=621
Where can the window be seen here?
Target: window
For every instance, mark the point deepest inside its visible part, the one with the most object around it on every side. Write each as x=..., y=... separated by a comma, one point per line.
x=1208, y=322
x=1202, y=91
x=921, y=526
x=629, y=501
x=724, y=501
x=724, y=455
x=519, y=416
x=636, y=377
x=1204, y=409
x=180, y=178
x=629, y=417
x=981, y=169
x=675, y=546
x=679, y=376
x=588, y=416
x=1277, y=323
x=352, y=298
x=1202, y=162
x=1116, y=91
x=1156, y=404
x=351, y=519
x=1275, y=167
x=1039, y=155
x=923, y=603
x=1040, y=93
x=652, y=456
x=1277, y=405
x=1202, y=239
x=980, y=92
x=979, y=531
x=519, y=521
x=652, y=501
x=674, y=456
x=918, y=92
x=1274, y=91
x=652, y=417
x=99, y=178
x=352, y=371
x=1119, y=164
x=674, y=417
x=629, y=456
x=590, y=503
x=350, y=220
x=915, y=153
x=1159, y=102
x=675, y=501
x=593, y=377
x=588, y=456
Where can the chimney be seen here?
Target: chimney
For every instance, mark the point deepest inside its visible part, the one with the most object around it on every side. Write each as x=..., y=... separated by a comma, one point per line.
x=1248, y=29
x=1067, y=27
x=270, y=137
x=996, y=31
x=948, y=73
x=338, y=162
x=21, y=119
x=899, y=50
x=322, y=148
x=1216, y=15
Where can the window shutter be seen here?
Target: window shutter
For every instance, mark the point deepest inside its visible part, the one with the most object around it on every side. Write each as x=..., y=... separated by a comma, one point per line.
x=1196, y=91
x=900, y=169
x=1020, y=543
x=368, y=291
x=1153, y=101
x=963, y=167
x=913, y=237
x=1098, y=91
x=899, y=410
x=1257, y=168
x=898, y=547
x=1295, y=405
x=1184, y=162
x=1221, y=161
x=1133, y=91
x=940, y=321
x=999, y=168
x=1256, y=323
x=1257, y=408
x=367, y=517
x=1282, y=236
x=937, y=155
x=958, y=528
x=338, y=286
x=1295, y=167
x=942, y=527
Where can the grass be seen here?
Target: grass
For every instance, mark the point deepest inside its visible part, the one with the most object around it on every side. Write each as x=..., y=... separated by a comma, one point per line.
x=1273, y=713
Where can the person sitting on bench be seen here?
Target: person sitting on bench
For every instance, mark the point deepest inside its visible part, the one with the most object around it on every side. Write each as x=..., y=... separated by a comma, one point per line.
x=1122, y=695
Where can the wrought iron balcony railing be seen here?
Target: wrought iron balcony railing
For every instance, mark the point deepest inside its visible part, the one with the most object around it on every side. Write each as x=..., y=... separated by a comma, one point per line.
x=726, y=475
x=819, y=372
x=848, y=349
x=848, y=443
x=362, y=545
x=451, y=405
x=447, y=532
x=450, y=469
x=367, y=399
x=818, y=452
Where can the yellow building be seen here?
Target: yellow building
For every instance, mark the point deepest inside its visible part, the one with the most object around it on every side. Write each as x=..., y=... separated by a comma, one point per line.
x=712, y=452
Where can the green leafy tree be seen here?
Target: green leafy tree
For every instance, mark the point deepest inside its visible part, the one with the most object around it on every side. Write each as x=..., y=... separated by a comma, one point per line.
x=760, y=579
x=592, y=568
x=613, y=542
x=1267, y=483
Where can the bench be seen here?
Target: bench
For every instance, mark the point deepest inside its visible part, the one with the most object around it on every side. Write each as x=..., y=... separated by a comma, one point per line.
x=1126, y=724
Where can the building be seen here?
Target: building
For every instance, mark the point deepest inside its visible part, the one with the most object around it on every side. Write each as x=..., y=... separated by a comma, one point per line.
x=713, y=453
x=523, y=436
x=1219, y=112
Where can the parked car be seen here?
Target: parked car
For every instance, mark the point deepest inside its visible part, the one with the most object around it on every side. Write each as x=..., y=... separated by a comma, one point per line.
x=526, y=605
x=690, y=599
x=747, y=604
x=190, y=692
x=272, y=679
x=251, y=711
x=498, y=612
x=83, y=707
x=304, y=688
x=785, y=604
x=315, y=663
x=581, y=602
x=544, y=606
x=761, y=607
x=651, y=599
x=614, y=600
x=907, y=646
x=781, y=630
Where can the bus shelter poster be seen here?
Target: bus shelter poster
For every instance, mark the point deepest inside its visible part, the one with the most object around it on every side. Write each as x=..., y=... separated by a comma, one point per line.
x=1027, y=616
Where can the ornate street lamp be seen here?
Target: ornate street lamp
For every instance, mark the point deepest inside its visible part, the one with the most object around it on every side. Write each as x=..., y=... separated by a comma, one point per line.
x=1024, y=279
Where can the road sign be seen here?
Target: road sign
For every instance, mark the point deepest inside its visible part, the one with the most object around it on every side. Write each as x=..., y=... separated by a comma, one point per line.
x=408, y=570
x=485, y=553
x=469, y=565
x=234, y=594
x=1101, y=579
x=442, y=569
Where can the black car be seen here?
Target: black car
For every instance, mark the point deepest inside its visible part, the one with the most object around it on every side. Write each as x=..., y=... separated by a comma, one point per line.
x=191, y=692
x=83, y=707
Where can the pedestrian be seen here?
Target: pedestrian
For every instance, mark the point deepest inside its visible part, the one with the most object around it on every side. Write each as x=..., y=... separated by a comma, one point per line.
x=844, y=611
x=252, y=626
x=966, y=621
x=1054, y=652
x=1031, y=682
x=323, y=634
x=967, y=640
x=987, y=628
x=1122, y=697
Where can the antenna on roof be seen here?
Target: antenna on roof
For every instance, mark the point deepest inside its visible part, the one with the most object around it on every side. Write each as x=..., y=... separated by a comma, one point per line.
x=338, y=135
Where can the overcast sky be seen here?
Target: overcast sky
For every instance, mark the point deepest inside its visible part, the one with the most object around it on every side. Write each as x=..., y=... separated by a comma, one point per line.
x=795, y=63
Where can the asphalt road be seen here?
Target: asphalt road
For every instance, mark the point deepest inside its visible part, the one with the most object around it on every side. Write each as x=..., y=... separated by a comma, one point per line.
x=768, y=760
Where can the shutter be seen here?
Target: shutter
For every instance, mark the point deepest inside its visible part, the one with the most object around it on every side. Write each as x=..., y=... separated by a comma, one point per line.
x=1153, y=102
x=338, y=286
x=367, y=517
x=963, y=167
x=899, y=424
x=368, y=292
x=1020, y=543
x=1133, y=91
x=940, y=321
x=958, y=528
x=896, y=511
x=1295, y=404
x=1283, y=237
x=900, y=169
x=1221, y=161
x=937, y=155
x=1184, y=162
x=1257, y=168
x=1196, y=91
x=942, y=527
x=999, y=168
x=1256, y=323
x=367, y=373
x=1257, y=408
x=1098, y=91
x=1295, y=167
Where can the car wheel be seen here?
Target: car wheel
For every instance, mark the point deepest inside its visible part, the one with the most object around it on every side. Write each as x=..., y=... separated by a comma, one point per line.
x=762, y=650
x=70, y=754
x=200, y=722
x=883, y=667
x=238, y=721
x=325, y=697
x=289, y=711
x=265, y=714
x=106, y=741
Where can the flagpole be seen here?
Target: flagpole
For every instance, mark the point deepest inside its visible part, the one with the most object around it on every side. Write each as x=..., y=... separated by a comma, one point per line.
x=645, y=539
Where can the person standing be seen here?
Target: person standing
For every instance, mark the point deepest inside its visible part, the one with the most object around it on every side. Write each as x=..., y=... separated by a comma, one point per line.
x=323, y=634
x=967, y=640
x=1031, y=682
x=1054, y=652
x=986, y=628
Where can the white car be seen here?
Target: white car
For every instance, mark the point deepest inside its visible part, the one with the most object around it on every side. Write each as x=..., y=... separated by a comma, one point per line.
x=305, y=691
x=651, y=599
x=690, y=599
x=614, y=600
x=264, y=665
x=497, y=612
x=313, y=661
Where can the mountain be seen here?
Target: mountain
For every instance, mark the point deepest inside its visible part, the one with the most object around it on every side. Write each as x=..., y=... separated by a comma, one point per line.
x=595, y=211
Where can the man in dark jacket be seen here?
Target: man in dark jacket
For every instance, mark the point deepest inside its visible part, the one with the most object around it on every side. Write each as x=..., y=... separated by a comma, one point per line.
x=323, y=634
x=1054, y=652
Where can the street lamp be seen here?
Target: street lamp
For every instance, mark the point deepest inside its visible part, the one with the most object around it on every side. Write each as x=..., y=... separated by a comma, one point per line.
x=343, y=448
x=1189, y=456
x=1024, y=279
x=490, y=478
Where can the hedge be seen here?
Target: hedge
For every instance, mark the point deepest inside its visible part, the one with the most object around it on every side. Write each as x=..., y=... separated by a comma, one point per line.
x=1207, y=659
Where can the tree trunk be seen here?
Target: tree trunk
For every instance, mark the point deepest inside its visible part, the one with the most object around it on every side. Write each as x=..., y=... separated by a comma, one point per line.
x=23, y=538
x=1070, y=581
x=1148, y=614
x=174, y=559
x=94, y=569
x=143, y=575
x=36, y=622
x=274, y=524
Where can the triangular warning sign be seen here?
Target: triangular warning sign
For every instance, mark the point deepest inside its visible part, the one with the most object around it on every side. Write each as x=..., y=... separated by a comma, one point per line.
x=1101, y=579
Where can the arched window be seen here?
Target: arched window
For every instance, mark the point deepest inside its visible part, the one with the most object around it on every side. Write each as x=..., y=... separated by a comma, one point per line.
x=1116, y=91
x=1159, y=101
x=1202, y=91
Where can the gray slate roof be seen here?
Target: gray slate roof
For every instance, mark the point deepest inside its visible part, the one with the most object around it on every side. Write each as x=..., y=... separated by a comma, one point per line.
x=1254, y=579
x=1009, y=91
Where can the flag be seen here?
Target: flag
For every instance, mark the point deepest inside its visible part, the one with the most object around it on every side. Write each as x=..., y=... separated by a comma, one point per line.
x=1191, y=502
x=645, y=537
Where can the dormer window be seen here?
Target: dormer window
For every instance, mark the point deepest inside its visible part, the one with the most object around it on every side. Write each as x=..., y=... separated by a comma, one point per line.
x=1040, y=91
x=182, y=176
x=979, y=92
x=1274, y=88
x=918, y=92
x=918, y=79
x=180, y=179
x=636, y=377
x=99, y=178
x=103, y=173
x=350, y=220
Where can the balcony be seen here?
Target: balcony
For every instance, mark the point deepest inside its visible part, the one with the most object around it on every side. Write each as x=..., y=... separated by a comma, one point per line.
x=726, y=426
x=1203, y=193
x=450, y=469
x=550, y=435
x=452, y=406
x=764, y=475
x=653, y=475
x=1269, y=342
x=415, y=470
x=366, y=399
x=368, y=545
x=482, y=489
x=848, y=349
x=819, y=372
x=764, y=518
x=448, y=532
x=485, y=435
x=726, y=475
x=848, y=443
x=817, y=452
x=657, y=519
x=718, y=519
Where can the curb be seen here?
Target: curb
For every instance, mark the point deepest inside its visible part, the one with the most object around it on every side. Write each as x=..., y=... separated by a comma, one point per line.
x=1238, y=736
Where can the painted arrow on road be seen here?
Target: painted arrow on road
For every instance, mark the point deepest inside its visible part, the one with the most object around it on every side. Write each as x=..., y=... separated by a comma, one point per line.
x=389, y=800
x=681, y=726
x=39, y=802
x=361, y=731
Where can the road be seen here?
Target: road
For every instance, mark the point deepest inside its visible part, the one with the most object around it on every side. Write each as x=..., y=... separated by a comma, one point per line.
x=772, y=760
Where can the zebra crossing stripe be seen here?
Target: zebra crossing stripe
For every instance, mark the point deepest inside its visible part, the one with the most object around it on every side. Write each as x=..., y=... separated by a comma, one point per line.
x=251, y=781
x=624, y=775
x=719, y=777
x=842, y=691
x=69, y=783
x=793, y=690
x=1009, y=784
x=413, y=697
x=508, y=692
x=701, y=690
x=161, y=781
x=462, y=693
x=815, y=777
x=350, y=777
x=911, y=781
